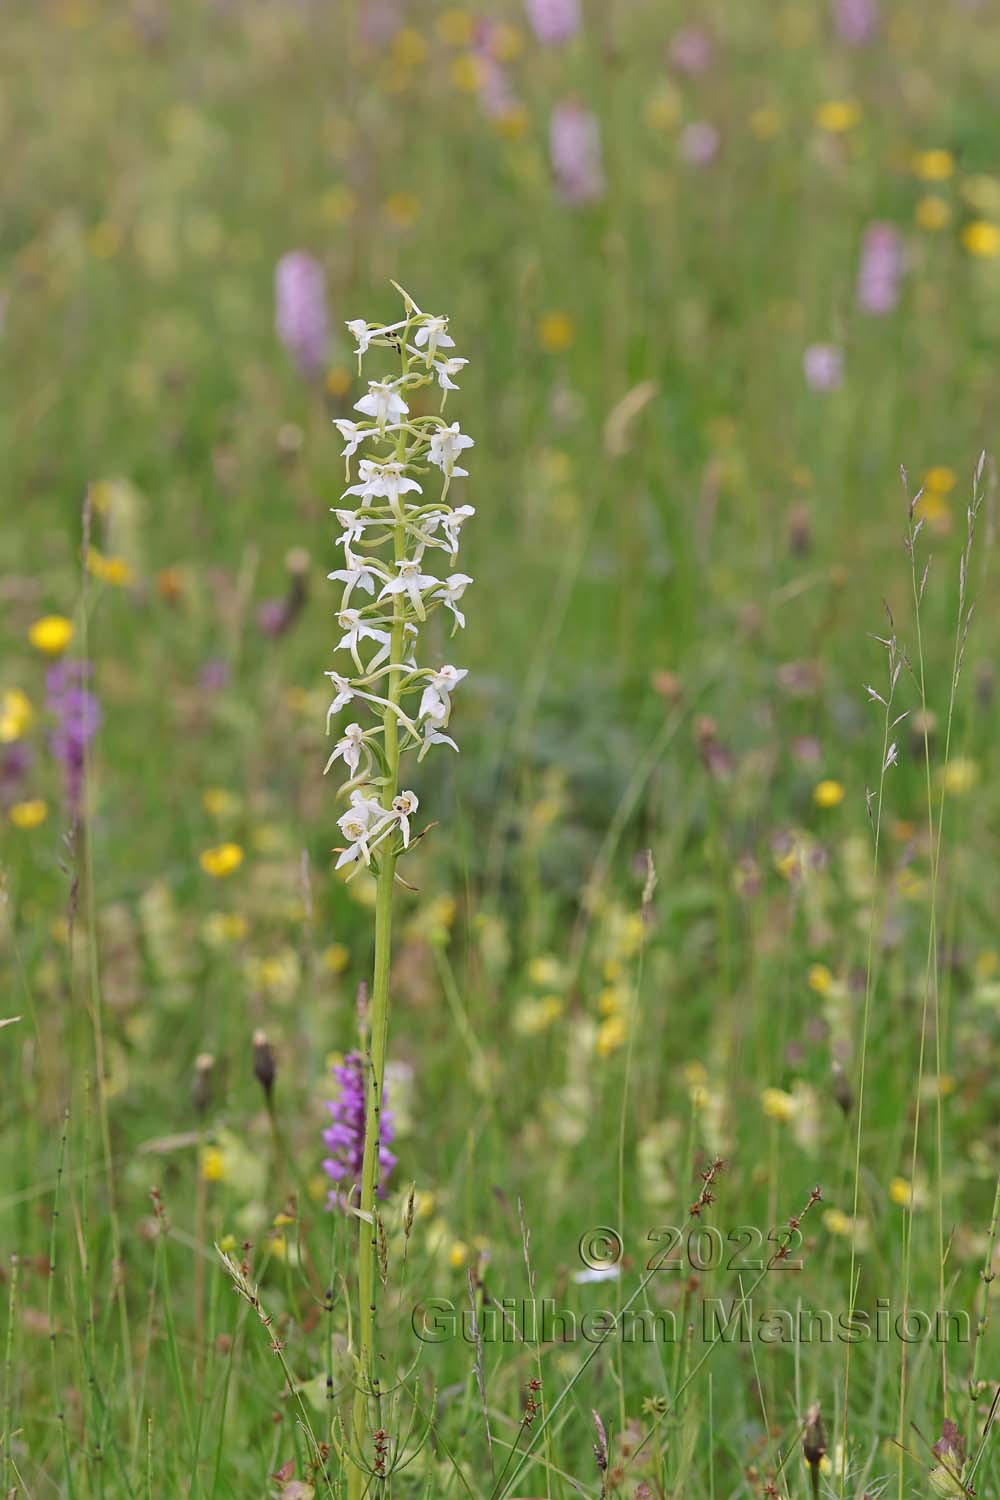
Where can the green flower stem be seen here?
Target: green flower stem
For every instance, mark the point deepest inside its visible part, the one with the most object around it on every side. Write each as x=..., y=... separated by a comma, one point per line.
x=368, y=1382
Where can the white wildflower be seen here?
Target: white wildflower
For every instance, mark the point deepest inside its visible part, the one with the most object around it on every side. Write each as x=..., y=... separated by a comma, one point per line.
x=452, y=590
x=436, y=699
x=348, y=749
x=446, y=444
x=446, y=368
x=410, y=582
x=433, y=335
x=382, y=403
x=391, y=459
x=404, y=806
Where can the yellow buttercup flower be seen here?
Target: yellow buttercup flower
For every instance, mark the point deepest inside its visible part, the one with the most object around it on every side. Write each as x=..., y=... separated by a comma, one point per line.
x=51, y=634
x=820, y=979
x=828, y=793
x=940, y=479
x=777, y=1104
x=458, y=1254
x=221, y=861
x=556, y=332
x=838, y=115
x=932, y=213
x=837, y=1222
x=901, y=1192
x=28, y=814
x=213, y=1165
x=16, y=714
x=933, y=166
x=982, y=238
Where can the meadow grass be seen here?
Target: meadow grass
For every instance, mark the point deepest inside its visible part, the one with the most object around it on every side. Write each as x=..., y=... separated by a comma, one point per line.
x=706, y=919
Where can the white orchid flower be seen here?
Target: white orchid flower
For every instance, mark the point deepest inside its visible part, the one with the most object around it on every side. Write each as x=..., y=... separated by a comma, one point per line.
x=410, y=582
x=446, y=444
x=446, y=368
x=436, y=699
x=356, y=630
x=452, y=590
x=348, y=749
x=383, y=403
x=431, y=336
x=404, y=806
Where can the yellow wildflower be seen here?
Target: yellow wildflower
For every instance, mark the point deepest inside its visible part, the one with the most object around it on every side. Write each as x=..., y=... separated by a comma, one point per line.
x=936, y=165
x=556, y=332
x=113, y=570
x=940, y=479
x=409, y=49
x=402, y=209
x=221, y=861
x=981, y=238
x=610, y=1035
x=932, y=213
x=336, y=206
x=901, y=1192
x=338, y=381
x=51, y=634
x=467, y=73
x=336, y=958
x=663, y=109
x=217, y=802
x=531, y=1017
x=221, y=927
x=960, y=775
x=546, y=970
x=987, y=963
x=777, y=1104
x=820, y=979
x=837, y=1222
x=512, y=121
x=838, y=115
x=213, y=1165
x=16, y=714
x=458, y=1254
x=828, y=794
x=611, y=1001
x=28, y=814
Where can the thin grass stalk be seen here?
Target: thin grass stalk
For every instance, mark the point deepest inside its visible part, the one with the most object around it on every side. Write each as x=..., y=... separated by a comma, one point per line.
x=865, y=1022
